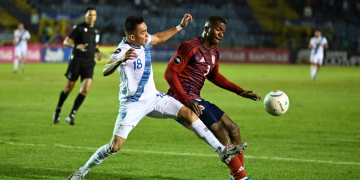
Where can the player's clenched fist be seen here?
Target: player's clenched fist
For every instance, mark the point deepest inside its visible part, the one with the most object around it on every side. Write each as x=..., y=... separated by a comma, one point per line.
x=130, y=54
x=185, y=20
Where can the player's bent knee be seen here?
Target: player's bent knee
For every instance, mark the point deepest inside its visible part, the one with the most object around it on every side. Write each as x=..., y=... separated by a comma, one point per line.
x=67, y=91
x=187, y=115
x=116, y=143
x=234, y=129
x=68, y=87
x=217, y=127
x=114, y=148
x=84, y=91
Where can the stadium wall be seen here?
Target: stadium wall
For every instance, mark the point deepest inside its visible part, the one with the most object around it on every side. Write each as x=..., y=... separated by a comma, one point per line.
x=33, y=54
x=331, y=58
x=40, y=53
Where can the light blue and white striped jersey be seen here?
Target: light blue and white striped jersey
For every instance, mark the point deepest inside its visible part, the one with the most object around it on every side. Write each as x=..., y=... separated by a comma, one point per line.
x=136, y=76
x=21, y=34
x=315, y=42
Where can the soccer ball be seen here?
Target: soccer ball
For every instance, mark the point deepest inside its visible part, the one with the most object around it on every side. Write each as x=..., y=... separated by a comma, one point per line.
x=276, y=103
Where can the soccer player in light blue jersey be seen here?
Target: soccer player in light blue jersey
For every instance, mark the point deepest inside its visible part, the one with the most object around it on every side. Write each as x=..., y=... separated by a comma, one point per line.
x=138, y=95
x=317, y=45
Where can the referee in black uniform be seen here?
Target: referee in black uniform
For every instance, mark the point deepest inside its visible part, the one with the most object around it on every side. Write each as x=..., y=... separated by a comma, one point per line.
x=83, y=39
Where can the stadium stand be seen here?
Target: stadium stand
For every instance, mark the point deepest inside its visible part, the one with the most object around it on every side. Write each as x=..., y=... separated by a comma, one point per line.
x=251, y=24
x=242, y=29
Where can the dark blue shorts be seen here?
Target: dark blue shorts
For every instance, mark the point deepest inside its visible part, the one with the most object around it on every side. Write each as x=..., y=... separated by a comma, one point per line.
x=210, y=115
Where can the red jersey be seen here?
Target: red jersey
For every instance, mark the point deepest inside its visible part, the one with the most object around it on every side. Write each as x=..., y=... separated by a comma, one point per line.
x=190, y=66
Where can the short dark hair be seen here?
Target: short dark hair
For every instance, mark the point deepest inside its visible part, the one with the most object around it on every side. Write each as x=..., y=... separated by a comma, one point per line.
x=131, y=23
x=89, y=8
x=213, y=18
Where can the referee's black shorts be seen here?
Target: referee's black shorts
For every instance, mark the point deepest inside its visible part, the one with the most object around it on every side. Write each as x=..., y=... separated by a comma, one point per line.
x=83, y=67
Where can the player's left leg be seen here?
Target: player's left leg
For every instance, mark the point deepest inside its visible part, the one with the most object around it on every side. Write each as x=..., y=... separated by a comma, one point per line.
x=85, y=87
x=168, y=107
x=211, y=116
x=23, y=58
x=235, y=136
x=224, y=129
x=16, y=59
x=72, y=74
x=316, y=64
x=319, y=63
x=130, y=114
x=313, y=70
x=86, y=74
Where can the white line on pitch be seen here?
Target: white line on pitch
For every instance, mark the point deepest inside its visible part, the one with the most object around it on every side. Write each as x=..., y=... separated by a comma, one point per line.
x=185, y=154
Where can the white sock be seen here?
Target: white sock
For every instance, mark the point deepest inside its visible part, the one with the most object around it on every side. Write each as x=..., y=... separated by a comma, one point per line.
x=16, y=64
x=201, y=131
x=313, y=71
x=99, y=156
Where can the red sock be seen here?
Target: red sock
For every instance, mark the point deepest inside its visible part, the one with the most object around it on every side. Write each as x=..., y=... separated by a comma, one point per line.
x=236, y=168
x=241, y=158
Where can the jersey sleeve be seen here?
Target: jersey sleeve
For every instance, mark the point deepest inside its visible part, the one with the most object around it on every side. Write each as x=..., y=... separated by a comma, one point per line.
x=172, y=79
x=324, y=41
x=177, y=64
x=120, y=50
x=149, y=40
x=97, y=38
x=74, y=32
x=311, y=43
x=27, y=35
x=220, y=81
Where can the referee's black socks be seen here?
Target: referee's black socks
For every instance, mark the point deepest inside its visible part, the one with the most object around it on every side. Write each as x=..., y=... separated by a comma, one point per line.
x=62, y=98
x=78, y=101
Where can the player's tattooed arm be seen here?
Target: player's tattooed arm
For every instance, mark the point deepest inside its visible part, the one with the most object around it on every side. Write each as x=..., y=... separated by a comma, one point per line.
x=113, y=64
x=165, y=35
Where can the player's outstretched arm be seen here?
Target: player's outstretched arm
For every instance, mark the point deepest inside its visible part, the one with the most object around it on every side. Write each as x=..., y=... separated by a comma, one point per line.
x=219, y=80
x=113, y=64
x=165, y=35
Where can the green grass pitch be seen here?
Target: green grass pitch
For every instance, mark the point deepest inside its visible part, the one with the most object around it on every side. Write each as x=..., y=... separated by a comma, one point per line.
x=318, y=138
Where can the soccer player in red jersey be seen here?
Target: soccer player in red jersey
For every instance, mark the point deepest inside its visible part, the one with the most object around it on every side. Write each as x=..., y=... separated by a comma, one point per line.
x=195, y=61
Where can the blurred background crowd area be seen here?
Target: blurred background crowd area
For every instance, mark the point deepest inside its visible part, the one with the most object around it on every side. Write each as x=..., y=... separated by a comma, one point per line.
x=276, y=24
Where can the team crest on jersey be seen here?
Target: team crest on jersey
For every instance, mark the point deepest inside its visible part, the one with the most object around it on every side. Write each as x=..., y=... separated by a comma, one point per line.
x=213, y=59
x=117, y=51
x=177, y=60
x=85, y=29
x=96, y=31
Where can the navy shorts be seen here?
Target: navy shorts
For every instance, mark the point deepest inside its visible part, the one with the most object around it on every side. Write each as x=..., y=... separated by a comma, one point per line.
x=210, y=114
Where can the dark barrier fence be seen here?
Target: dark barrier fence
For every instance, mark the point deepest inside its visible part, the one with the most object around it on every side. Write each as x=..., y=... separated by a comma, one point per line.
x=39, y=53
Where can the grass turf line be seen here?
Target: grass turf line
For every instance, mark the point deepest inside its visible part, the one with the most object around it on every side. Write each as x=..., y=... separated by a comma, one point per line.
x=321, y=124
